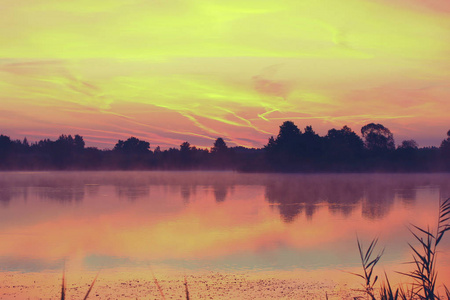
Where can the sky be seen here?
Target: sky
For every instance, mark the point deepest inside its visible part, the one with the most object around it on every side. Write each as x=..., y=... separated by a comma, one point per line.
x=169, y=71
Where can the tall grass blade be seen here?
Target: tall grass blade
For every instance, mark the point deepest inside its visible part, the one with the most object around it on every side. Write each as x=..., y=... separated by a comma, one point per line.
x=63, y=284
x=158, y=286
x=92, y=285
x=447, y=292
x=386, y=292
x=368, y=266
x=424, y=231
x=443, y=225
x=186, y=288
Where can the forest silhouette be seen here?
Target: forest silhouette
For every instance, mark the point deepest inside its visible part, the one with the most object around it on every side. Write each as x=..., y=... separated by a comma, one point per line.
x=292, y=150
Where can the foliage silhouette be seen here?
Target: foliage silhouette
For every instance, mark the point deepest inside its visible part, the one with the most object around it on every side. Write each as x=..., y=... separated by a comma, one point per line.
x=377, y=137
x=340, y=150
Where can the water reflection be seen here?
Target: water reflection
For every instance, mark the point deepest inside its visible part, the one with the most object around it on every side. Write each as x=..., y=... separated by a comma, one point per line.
x=132, y=192
x=208, y=219
x=342, y=193
x=7, y=194
x=186, y=192
x=92, y=190
x=292, y=195
x=220, y=192
x=60, y=194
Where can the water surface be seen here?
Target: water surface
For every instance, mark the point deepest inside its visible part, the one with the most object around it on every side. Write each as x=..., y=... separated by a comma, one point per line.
x=218, y=221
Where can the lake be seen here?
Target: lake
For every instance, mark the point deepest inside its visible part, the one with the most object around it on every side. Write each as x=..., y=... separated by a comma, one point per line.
x=221, y=222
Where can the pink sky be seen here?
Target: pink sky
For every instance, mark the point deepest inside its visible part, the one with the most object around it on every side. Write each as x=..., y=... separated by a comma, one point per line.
x=171, y=71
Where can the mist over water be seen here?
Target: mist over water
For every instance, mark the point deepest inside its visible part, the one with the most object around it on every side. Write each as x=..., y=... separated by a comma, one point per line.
x=211, y=220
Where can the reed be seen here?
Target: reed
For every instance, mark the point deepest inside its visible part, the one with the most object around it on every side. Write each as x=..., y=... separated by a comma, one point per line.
x=186, y=288
x=424, y=275
x=92, y=285
x=158, y=286
x=368, y=265
x=63, y=284
x=387, y=293
x=447, y=292
x=424, y=257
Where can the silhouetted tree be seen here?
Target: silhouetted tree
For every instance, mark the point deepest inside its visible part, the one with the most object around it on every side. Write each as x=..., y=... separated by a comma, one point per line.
x=445, y=151
x=185, y=154
x=271, y=144
x=409, y=144
x=288, y=135
x=344, y=148
x=310, y=148
x=406, y=156
x=25, y=142
x=63, y=151
x=5, y=144
x=445, y=145
x=221, y=155
x=219, y=146
x=78, y=142
x=132, y=145
x=132, y=154
x=5, y=150
x=185, y=147
x=283, y=153
x=377, y=137
x=157, y=157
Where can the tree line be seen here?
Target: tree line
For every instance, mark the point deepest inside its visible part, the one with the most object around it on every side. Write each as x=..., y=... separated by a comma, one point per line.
x=292, y=150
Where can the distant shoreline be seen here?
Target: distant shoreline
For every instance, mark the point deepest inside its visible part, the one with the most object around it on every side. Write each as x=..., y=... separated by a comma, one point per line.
x=292, y=151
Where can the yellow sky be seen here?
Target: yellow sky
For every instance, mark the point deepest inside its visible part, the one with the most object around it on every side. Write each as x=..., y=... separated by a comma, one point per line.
x=170, y=71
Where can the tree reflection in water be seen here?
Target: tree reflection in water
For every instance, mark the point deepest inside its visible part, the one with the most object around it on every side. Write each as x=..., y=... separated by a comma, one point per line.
x=291, y=194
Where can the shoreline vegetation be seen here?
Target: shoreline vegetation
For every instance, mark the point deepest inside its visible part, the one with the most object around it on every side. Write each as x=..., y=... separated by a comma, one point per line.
x=292, y=150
